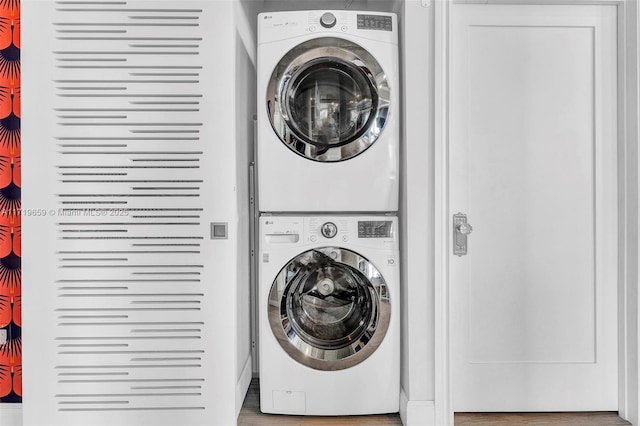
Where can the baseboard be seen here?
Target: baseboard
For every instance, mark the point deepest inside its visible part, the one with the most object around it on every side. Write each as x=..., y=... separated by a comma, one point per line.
x=417, y=413
x=242, y=386
x=10, y=414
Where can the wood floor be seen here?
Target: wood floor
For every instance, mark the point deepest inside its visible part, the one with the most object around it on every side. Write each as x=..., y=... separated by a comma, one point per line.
x=251, y=416
x=539, y=419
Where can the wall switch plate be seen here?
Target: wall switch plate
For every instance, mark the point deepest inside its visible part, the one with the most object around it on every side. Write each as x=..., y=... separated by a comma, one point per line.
x=3, y=336
x=219, y=231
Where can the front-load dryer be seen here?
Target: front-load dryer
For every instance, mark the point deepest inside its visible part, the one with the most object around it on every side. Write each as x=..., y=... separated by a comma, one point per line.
x=329, y=320
x=328, y=112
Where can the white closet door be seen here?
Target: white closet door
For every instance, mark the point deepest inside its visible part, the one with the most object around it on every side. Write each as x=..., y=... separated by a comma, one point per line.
x=128, y=158
x=533, y=166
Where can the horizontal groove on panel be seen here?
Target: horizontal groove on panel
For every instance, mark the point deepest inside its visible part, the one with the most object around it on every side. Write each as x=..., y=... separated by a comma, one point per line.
x=127, y=110
x=145, y=152
x=93, y=88
x=165, y=131
x=165, y=245
x=129, y=181
x=74, y=367
x=93, y=31
x=94, y=116
x=118, y=280
x=130, y=238
x=94, y=202
x=128, y=195
x=131, y=252
x=172, y=380
x=136, y=323
x=165, y=46
x=132, y=67
x=160, y=408
x=92, y=317
x=164, y=308
x=171, y=330
x=94, y=230
x=85, y=259
x=131, y=124
x=80, y=338
x=130, y=53
x=85, y=38
x=159, y=351
x=165, y=17
x=145, y=95
x=125, y=10
x=92, y=60
x=100, y=395
x=87, y=145
x=91, y=373
x=126, y=167
x=93, y=345
x=165, y=387
x=165, y=273
x=124, y=224
x=133, y=266
x=122, y=24
x=157, y=302
x=93, y=288
x=93, y=402
x=139, y=81
x=142, y=295
x=92, y=2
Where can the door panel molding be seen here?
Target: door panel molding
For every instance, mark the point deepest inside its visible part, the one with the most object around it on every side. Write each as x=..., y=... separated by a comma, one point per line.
x=628, y=41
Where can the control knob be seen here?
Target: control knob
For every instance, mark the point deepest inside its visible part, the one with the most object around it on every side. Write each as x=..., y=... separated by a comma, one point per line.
x=328, y=20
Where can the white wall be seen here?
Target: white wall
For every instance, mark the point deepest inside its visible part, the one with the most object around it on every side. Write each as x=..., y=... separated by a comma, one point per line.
x=629, y=187
x=245, y=79
x=417, y=406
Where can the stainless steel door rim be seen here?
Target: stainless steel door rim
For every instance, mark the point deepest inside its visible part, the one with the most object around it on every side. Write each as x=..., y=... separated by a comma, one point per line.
x=329, y=308
x=328, y=99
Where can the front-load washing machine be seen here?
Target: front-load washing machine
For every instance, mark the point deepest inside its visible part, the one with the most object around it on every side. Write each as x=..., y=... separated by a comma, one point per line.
x=328, y=112
x=329, y=318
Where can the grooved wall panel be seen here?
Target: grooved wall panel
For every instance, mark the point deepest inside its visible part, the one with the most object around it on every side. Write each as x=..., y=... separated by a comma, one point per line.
x=130, y=146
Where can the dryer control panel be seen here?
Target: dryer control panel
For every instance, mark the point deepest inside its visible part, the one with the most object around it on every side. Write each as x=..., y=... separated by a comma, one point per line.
x=274, y=26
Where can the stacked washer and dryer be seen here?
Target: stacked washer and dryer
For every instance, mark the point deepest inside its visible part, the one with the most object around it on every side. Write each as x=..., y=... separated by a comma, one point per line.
x=327, y=178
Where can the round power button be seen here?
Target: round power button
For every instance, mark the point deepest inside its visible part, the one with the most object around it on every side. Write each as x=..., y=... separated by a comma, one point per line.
x=328, y=20
x=329, y=230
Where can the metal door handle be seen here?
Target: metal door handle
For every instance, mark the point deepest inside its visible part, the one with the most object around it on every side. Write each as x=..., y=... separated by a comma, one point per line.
x=461, y=228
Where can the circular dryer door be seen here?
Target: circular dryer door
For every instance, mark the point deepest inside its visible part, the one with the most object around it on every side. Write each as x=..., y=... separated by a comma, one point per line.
x=328, y=99
x=329, y=308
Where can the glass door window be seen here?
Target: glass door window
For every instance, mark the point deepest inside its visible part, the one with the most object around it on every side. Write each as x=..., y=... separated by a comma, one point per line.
x=327, y=306
x=328, y=99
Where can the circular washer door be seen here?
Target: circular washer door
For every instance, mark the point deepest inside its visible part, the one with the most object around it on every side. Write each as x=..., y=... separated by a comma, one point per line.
x=328, y=99
x=329, y=308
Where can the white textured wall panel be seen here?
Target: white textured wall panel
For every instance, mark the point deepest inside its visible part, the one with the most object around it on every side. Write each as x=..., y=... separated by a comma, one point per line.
x=128, y=157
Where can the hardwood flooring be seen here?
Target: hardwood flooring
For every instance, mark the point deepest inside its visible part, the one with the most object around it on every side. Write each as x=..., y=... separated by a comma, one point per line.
x=539, y=419
x=251, y=416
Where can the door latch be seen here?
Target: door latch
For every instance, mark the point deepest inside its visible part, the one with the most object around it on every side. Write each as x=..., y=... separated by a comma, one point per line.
x=461, y=228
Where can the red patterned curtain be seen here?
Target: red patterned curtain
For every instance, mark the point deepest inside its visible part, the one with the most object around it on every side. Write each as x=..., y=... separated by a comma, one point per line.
x=10, y=247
